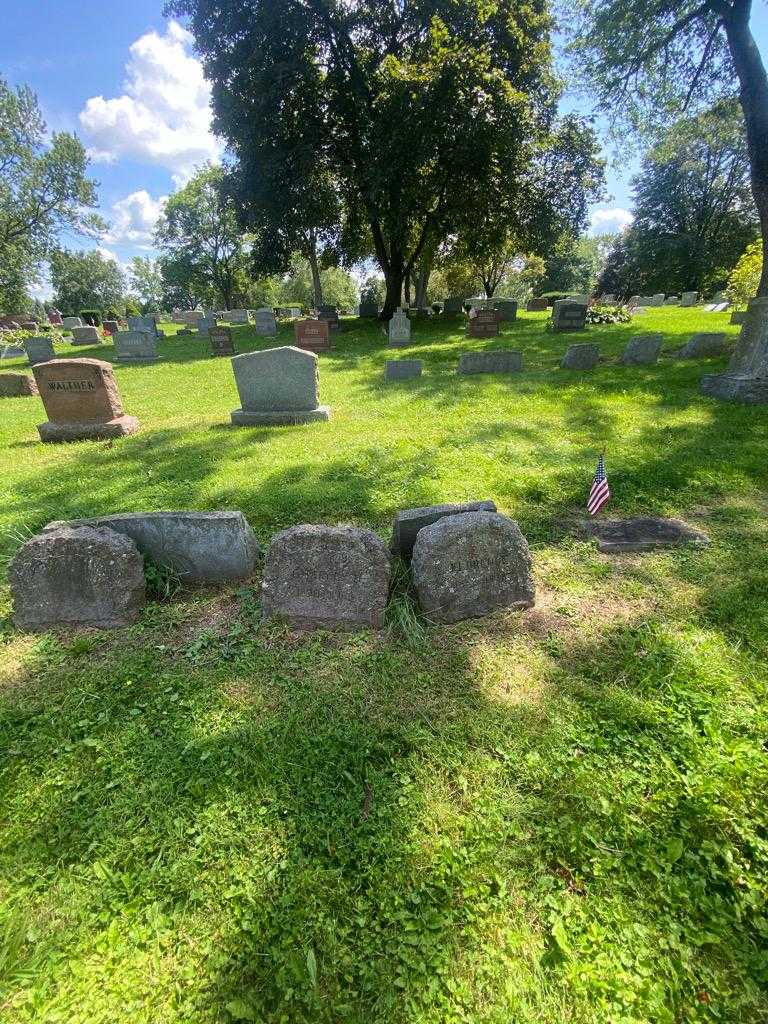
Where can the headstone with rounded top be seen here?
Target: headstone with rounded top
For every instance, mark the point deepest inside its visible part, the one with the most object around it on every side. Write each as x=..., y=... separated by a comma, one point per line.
x=277, y=386
x=399, y=330
x=704, y=346
x=312, y=335
x=82, y=401
x=326, y=577
x=85, y=336
x=39, y=350
x=581, y=357
x=17, y=385
x=471, y=564
x=136, y=347
x=265, y=323
x=84, y=576
x=409, y=521
x=642, y=349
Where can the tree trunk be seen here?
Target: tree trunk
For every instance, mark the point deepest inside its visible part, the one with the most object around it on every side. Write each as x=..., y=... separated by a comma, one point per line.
x=317, y=288
x=422, y=280
x=753, y=94
x=407, y=289
x=393, y=276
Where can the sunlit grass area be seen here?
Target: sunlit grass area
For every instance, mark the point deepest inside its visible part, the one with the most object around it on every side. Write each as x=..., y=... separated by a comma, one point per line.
x=548, y=816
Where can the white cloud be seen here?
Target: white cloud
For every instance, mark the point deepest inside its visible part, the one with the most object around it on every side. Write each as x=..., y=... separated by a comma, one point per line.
x=164, y=115
x=614, y=219
x=134, y=218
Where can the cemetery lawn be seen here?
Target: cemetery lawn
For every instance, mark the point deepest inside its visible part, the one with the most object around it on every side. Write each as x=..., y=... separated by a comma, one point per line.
x=542, y=817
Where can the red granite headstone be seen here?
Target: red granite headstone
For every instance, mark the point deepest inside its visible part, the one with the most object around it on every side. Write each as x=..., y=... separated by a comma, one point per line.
x=313, y=335
x=484, y=324
x=82, y=401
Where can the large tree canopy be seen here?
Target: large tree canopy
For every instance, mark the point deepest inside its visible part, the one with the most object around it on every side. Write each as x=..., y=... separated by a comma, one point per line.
x=694, y=211
x=86, y=280
x=404, y=106
x=647, y=60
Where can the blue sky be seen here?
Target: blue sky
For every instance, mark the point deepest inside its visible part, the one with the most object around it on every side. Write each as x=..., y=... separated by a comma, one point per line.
x=127, y=81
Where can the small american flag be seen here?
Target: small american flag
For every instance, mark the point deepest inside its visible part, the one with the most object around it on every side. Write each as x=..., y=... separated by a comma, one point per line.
x=598, y=493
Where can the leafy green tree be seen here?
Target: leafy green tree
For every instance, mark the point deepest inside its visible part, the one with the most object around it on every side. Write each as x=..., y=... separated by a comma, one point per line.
x=744, y=279
x=146, y=280
x=650, y=60
x=338, y=287
x=573, y=265
x=694, y=211
x=404, y=105
x=43, y=190
x=373, y=289
x=86, y=280
x=201, y=242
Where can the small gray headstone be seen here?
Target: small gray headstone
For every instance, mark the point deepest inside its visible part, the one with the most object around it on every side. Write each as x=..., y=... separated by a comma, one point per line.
x=402, y=369
x=453, y=304
x=657, y=299
x=17, y=385
x=326, y=577
x=39, y=350
x=238, y=316
x=399, y=331
x=13, y=352
x=204, y=325
x=645, y=348
x=77, y=577
x=408, y=522
x=581, y=357
x=197, y=545
x=506, y=308
x=135, y=347
x=265, y=323
x=68, y=322
x=146, y=323
x=367, y=310
x=495, y=361
x=85, y=335
x=643, y=533
x=704, y=346
x=672, y=300
x=689, y=299
x=471, y=564
x=568, y=315
x=277, y=386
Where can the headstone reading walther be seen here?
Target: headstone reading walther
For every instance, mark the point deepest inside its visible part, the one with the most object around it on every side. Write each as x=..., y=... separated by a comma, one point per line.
x=642, y=349
x=399, y=330
x=17, y=385
x=454, y=304
x=312, y=335
x=506, y=308
x=277, y=386
x=265, y=323
x=220, y=339
x=704, y=346
x=581, y=357
x=331, y=316
x=85, y=336
x=471, y=564
x=500, y=361
x=82, y=401
x=135, y=347
x=77, y=577
x=39, y=350
x=326, y=577
x=568, y=315
x=536, y=305
x=746, y=379
x=484, y=323
x=402, y=369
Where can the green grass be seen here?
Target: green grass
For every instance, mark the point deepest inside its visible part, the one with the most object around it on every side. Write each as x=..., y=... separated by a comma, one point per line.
x=540, y=817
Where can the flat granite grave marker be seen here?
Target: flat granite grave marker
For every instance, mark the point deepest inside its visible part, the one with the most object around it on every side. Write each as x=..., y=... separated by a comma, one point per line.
x=483, y=323
x=642, y=349
x=277, y=386
x=703, y=346
x=568, y=315
x=17, y=385
x=537, y=305
x=399, y=330
x=581, y=357
x=471, y=564
x=265, y=323
x=402, y=369
x=135, y=347
x=408, y=522
x=220, y=339
x=313, y=335
x=39, y=350
x=77, y=577
x=642, y=533
x=196, y=545
x=82, y=401
x=85, y=336
x=326, y=577
x=495, y=361
x=746, y=379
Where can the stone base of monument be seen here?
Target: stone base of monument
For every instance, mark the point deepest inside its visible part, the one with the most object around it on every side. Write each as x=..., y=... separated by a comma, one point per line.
x=732, y=387
x=279, y=417
x=121, y=426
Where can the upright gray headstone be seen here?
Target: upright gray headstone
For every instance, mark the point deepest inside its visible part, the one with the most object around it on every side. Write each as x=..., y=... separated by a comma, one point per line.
x=568, y=315
x=77, y=577
x=409, y=521
x=147, y=323
x=366, y=310
x=402, y=369
x=453, y=304
x=581, y=357
x=500, y=361
x=39, y=350
x=704, y=346
x=672, y=300
x=265, y=323
x=657, y=299
x=746, y=379
x=13, y=352
x=85, y=336
x=68, y=322
x=644, y=348
x=205, y=323
x=506, y=308
x=326, y=577
x=399, y=331
x=135, y=347
x=277, y=386
x=471, y=564
x=689, y=299
x=238, y=316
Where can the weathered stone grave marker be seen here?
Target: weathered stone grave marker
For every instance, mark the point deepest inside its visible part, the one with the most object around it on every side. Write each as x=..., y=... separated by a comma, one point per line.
x=265, y=323
x=454, y=304
x=368, y=310
x=39, y=350
x=399, y=330
x=408, y=522
x=642, y=349
x=330, y=314
x=568, y=315
x=506, y=308
x=17, y=385
x=484, y=323
x=85, y=336
x=402, y=369
x=581, y=357
x=704, y=346
x=135, y=347
x=537, y=305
